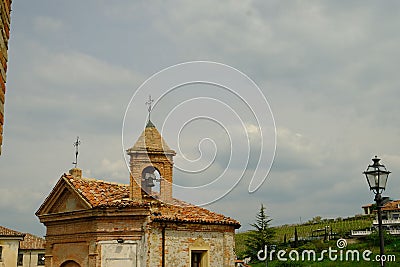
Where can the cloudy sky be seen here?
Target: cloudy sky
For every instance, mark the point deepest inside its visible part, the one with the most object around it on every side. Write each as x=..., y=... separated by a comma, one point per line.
x=328, y=70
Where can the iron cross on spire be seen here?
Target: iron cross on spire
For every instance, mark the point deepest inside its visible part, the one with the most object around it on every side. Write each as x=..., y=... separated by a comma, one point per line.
x=76, y=145
x=149, y=104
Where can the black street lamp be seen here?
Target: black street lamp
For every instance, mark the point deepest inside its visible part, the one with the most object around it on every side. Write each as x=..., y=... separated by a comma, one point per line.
x=377, y=176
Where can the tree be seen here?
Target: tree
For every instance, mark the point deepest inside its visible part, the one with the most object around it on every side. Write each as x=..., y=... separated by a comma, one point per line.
x=296, y=238
x=316, y=219
x=261, y=236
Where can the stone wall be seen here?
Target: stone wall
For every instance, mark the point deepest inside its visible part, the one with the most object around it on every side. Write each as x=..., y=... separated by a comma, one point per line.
x=180, y=239
x=5, y=10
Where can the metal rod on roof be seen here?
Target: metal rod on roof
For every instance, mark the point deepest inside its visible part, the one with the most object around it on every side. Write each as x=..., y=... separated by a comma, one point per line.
x=76, y=145
x=149, y=104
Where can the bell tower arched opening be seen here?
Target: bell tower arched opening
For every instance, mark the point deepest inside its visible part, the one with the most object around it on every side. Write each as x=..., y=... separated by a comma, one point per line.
x=151, y=179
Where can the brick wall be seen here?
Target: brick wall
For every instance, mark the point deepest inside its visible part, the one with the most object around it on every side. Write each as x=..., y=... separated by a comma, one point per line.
x=82, y=238
x=5, y=10
x=163, y=163
x=84, y=241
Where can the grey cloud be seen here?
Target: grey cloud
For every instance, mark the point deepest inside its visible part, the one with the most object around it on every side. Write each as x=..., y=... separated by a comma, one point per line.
x=329, y=70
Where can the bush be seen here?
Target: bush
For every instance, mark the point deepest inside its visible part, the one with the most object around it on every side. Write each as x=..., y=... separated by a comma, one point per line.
x=307, y=246
x=389, y=239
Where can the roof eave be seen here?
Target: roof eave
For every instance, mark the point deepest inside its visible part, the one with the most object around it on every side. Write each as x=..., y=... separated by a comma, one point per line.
x=237, y=225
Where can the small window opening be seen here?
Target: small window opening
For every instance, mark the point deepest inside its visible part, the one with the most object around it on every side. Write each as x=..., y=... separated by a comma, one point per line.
x=199, y=258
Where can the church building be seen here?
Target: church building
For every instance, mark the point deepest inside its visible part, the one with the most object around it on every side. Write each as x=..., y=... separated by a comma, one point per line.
x=93, y=223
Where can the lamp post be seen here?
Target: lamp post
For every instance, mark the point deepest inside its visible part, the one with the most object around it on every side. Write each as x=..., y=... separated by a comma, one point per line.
x=377, y=176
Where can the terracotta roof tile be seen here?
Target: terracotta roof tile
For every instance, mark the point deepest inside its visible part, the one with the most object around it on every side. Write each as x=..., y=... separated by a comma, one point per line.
x=98, y=192
x=105, y=194
x=190, y=213
x=32, y=242
x=29, y=242
x=392, y=205
x=9, y=232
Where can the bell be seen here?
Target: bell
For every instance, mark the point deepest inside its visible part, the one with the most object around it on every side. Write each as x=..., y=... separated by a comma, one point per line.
x=150, y=183
x=149, y=179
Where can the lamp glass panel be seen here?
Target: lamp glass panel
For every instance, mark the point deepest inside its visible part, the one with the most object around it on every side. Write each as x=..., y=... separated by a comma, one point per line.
x=372, y=180
x=383, y=179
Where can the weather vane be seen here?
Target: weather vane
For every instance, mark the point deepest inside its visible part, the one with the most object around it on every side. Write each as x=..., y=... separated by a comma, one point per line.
x=76, y=145
x=149, y=103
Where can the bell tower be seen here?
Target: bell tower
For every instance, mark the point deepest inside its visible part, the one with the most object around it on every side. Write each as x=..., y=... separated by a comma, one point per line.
x=149, y=154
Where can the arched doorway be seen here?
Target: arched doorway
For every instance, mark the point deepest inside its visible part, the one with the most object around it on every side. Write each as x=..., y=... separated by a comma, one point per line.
x=70, y=264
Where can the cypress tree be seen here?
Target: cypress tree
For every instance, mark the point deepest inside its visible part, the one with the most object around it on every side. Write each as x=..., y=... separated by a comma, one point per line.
x=261, y=235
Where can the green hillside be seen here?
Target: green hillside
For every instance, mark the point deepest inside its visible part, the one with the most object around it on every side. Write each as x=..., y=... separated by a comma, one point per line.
x=339, y=227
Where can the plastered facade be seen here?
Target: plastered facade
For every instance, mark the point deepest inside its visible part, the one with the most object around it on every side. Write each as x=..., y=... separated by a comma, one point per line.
x=9, y=252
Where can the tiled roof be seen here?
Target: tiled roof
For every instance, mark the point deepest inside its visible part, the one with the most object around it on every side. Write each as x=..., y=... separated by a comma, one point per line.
x=29, y=242
x=6, y=232
x=105, y=194
x=151, y=141
x=32, y=242
x=98, y=192
x=190, y=213
x=392, y=205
